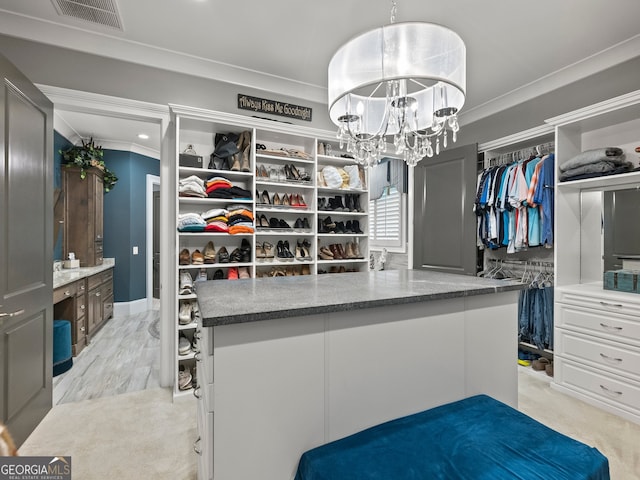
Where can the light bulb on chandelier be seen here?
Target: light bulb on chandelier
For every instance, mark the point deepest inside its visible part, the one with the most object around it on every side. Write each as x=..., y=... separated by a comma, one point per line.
x=405, y=82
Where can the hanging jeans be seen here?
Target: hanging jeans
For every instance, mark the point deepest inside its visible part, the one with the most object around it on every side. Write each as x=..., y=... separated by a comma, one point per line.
x=535, y=317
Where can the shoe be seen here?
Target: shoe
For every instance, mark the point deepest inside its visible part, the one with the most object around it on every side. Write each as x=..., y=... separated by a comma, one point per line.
x=338, y=203
x=355, y=225
x=265, y=198
x=322, y=203
x=298, y=224
x=186, y=283
x=244, y=166
x=283, y=224
x=197, y=258
x=287, y=251
x=306, y=270
x=263, y=222
x=184, y=378
x=209, y=253
x=184, y=316
x=184, y=258
x=243, y=272
x=235, y=162
x=348, y=227
x=549, y=369
x=202, y=276
x=218, y=275
x=540, y=364
x=336, y=253
x=356, y=250
x=223, y=255
x=262, y=172
x=274, y=223
x=325, y=253
x=195, y=312
x=232, y=274
x=328, y=225
x=236, y=256
x=320, y=148
x=276, y=199
x=339, y=227
x=286, y=200
x=184, y=345
x=268, y=250
x=305, y=224
x=245, y=250
x=349, y=250
x=260, y=255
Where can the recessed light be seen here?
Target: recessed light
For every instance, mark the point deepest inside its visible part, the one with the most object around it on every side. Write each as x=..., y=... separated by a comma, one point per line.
x=143, y=136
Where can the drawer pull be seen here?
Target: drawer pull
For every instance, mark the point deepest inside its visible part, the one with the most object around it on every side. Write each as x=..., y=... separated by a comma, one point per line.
x=196, y=393
x=82, y=307
x=611, y=359
x=67, y=293
x=196, y=446
x=617, y=305
x=604, y=325
x=609, y=390
x=12, y=314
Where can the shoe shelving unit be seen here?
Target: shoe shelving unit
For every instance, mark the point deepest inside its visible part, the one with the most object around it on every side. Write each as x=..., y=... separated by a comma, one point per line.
x=292, y=220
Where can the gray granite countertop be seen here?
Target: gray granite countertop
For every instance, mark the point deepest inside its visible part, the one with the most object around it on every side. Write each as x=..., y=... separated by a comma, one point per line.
x=224, y=302
x=67, y=276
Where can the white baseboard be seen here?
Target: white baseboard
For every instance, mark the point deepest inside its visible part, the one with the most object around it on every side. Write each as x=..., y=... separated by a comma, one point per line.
x=130, y=308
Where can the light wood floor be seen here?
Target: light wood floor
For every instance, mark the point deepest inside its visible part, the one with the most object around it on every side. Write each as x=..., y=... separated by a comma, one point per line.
x=122, y=357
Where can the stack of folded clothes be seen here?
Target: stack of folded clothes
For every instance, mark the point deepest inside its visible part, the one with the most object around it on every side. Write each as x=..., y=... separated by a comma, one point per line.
x=221, y=187
x=192, y=186
x=240, y=219
x=217, y=220
x=191, y=222
x=595, y=163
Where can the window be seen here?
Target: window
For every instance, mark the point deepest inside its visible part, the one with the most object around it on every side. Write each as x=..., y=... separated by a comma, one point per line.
x=387, y=220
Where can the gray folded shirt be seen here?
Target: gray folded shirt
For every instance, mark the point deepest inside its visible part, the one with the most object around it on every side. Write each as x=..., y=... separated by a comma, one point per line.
x=614, y=155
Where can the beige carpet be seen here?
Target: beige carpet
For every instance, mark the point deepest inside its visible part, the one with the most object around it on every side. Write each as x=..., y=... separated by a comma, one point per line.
x=144, y=435
x=139, y=435
x=615, y=438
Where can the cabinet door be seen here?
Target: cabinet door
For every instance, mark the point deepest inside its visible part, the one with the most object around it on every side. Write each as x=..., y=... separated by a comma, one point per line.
x=95, y=311
x=444, y=236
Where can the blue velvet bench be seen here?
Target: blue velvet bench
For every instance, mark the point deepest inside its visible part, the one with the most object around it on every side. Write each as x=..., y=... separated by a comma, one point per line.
x=477, y=438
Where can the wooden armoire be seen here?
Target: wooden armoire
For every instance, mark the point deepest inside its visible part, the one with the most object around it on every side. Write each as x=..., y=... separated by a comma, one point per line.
x=83, y=215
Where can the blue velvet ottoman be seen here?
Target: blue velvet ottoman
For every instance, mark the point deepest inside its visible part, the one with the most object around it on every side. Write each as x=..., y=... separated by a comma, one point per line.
x=478, y=438
x=62, y=358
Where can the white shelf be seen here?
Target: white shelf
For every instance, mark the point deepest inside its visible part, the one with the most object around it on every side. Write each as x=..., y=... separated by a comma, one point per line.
x=188, y=326
x=345, y=260
x=608, y=182
x=337, y=213
x=341, y=235
x=198, y=127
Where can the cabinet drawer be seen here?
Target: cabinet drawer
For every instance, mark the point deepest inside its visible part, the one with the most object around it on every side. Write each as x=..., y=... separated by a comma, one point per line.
x=611, y=302
x=66, y=291
x=606, y=388
x=599, y=353
x=107, y=276
x=613, y=326
x=94, y=281
x=107, y=290
x=80, y=330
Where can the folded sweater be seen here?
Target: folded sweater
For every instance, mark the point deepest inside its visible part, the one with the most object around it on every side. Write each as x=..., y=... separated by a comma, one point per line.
x=609, y=154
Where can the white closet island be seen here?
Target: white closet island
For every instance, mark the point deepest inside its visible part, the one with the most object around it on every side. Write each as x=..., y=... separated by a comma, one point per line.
x=290, y=363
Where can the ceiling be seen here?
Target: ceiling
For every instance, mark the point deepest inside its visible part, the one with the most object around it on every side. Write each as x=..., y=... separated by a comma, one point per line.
x=516, y=50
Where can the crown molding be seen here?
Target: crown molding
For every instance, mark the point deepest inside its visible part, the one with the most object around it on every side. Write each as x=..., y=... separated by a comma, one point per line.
x=129, y=147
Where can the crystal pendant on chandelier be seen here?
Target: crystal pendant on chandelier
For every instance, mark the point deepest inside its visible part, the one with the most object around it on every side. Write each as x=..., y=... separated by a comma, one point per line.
x=402, y=83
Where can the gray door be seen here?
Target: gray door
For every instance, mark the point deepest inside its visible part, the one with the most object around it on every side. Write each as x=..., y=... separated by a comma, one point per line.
x=26, y=253
x=444, y=236
x=156, y=244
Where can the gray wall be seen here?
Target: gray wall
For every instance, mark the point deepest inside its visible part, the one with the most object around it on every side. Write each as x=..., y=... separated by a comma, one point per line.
x=59, y=67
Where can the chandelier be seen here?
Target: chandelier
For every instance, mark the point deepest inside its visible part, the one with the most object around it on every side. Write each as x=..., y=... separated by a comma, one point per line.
x=403, y=81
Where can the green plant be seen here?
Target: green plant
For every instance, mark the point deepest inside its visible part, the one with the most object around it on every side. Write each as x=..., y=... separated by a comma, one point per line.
x=86, y=156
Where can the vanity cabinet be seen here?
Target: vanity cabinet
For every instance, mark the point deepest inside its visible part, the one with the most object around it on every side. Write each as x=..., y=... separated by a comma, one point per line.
x=83, y=215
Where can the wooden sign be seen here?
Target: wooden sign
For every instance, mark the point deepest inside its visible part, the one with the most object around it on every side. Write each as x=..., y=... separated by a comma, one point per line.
x=273, y=107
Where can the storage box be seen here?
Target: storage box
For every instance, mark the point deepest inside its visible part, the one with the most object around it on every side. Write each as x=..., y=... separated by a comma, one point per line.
x=631, y=263
x=188, y=160
x=622, y=280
